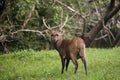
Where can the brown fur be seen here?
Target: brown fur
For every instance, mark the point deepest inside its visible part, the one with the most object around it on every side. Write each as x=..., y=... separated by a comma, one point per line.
x=69, y=49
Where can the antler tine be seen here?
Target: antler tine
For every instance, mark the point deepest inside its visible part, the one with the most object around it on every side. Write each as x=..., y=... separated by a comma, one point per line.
x=47, y=26
x=64, y=23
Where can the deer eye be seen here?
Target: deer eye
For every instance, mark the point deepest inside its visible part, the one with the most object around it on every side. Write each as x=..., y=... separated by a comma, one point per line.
x=54, y=35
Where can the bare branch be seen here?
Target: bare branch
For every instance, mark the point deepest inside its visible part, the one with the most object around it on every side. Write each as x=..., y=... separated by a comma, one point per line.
x=118, y=24
x=3, y=38
x=27, y=18
x=68, y=7
x=27, y=30
x=108, y=30
x=102, y=37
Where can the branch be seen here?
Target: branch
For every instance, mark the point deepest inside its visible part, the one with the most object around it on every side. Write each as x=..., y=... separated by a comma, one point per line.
x=68, y=7
x=110, y=7
x=27, y=30
x=112, y=11
x=102, y=37
x=109, y=32
x=27, y=18
x=118, y=24
x=76, y=13
x=3, y=38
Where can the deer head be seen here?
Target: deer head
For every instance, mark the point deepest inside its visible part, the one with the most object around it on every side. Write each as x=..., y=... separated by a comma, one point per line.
x=57, y=33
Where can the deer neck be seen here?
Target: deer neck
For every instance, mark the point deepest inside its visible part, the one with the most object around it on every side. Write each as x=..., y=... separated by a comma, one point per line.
x=58, y=43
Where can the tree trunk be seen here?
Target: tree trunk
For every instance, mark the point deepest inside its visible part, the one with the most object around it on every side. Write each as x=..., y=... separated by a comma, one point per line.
x=110, y=12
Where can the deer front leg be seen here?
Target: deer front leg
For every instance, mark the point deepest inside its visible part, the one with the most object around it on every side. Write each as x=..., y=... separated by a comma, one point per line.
x=67, y=64
x=63, y=64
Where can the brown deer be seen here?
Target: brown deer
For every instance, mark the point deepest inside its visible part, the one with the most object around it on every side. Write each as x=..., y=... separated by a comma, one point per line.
x=69, y=49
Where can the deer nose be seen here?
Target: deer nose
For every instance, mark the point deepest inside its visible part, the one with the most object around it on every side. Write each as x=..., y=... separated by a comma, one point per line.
x=54, y=39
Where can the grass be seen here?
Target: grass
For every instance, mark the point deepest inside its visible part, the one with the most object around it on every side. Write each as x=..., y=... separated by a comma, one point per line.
x=103, y=64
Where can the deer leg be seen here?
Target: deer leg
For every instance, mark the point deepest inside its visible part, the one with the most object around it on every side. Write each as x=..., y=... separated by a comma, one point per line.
x=83, y=57
x=74, y=60
x=67, y=63
x=76, y=65
x=63, y=64
x=84, y=62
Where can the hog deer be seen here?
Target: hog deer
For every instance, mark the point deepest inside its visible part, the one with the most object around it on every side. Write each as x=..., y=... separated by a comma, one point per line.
x=69, y=49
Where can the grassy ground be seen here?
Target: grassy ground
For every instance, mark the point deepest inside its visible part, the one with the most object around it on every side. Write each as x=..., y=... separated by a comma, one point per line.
x=103, y=64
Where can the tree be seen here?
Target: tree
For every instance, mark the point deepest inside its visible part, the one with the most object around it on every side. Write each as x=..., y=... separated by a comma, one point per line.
x=110, y=12
x=20, y=19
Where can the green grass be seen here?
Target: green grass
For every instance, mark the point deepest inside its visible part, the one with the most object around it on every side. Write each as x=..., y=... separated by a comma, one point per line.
x=103, y=64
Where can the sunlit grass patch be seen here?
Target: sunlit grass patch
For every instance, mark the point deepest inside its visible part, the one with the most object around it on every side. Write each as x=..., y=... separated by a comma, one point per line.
x=103, y=64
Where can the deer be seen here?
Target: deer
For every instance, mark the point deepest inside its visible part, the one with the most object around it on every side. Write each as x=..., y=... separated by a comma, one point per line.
x=68, y=49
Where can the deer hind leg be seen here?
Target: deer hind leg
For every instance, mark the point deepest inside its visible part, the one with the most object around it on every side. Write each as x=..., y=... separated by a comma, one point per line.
x=85, y=65
x=83, y=58
x=76, y=65
x=67, y=64
x=74, y=60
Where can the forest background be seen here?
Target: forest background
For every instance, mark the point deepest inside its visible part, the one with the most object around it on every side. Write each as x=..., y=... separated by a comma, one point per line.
x=21, y=22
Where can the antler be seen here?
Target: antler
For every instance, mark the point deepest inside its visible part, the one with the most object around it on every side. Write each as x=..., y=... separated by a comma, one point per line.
x=47, y=26
x=64, y=23
x=61, y=25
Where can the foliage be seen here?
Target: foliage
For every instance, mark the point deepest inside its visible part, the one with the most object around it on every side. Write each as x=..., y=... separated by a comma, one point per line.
x=15, y=17
x=21, y=14
x=103, y=64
